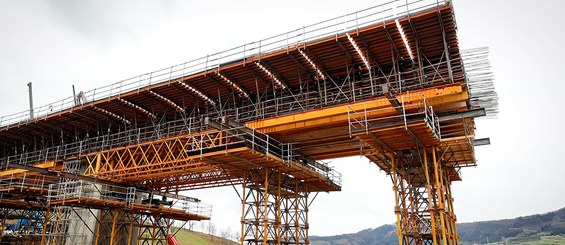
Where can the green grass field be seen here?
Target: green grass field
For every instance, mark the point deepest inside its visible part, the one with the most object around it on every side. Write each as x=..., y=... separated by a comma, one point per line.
x=547, y=240
x=544, y=240
x=186, y=237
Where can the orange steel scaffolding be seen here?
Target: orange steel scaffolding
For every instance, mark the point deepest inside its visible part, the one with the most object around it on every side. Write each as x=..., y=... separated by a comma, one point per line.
x=388, y=83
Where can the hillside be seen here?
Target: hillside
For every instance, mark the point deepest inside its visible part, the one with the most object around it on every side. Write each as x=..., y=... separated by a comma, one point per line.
x=528, y=227
x=548, y=228
x=186, y=237
x=385, y=234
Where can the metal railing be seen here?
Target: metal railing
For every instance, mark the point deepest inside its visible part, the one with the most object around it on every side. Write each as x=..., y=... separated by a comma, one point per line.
x=71, y=189
x=189, y=129
x=418, y=109
x=66, y=191
x=378, y=14
x=24, y=182
x=284, y=104
x=287, y=103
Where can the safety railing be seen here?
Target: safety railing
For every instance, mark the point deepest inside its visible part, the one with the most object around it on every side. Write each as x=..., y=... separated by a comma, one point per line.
x=193, y=207
x=23, y=182
x=63, y=192
x=102, y=142
x=284, y=104
x=202, y=139
x=432, y=120
x=287, y=103
x=288, y=153
x=71, y=189
x=360, y=119
x=383, y=12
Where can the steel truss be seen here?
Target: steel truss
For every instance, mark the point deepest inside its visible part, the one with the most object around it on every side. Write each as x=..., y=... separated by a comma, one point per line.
x=217, y=155
x=274, y=209
x=424, y=205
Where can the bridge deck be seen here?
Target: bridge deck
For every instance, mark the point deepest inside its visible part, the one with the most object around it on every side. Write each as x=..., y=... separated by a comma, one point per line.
x=334, y=54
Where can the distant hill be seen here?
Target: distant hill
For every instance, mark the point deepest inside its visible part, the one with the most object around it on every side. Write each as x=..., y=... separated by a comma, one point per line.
x=385, y=235
x=518, y=229
x=547, y=228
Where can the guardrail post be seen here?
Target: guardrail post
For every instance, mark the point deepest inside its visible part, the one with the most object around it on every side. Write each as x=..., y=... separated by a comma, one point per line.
x=206, y=65
x=365, y=118
x=287, y=46
x=78, y=189
x=357, y=23
x=201, y=142
x=438, y=127
x=219, y=61
x=304, y=36
x=259, y=50
x=244, y=58
x=432, y=118
x=404, y=113
x=253, y=140
x=23, y=181
x=349, y=120
x=267, y=144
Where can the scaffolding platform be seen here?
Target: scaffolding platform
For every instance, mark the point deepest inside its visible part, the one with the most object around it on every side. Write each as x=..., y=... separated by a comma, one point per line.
x=79, y=193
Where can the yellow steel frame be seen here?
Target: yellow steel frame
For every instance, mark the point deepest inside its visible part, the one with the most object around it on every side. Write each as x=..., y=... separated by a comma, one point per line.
x=423, y=202
x=274, y=209
x=339, y=114
x=154, y=160
x=9, y=172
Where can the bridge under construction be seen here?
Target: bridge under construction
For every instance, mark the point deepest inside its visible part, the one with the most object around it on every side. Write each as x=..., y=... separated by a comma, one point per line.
x=390, y=83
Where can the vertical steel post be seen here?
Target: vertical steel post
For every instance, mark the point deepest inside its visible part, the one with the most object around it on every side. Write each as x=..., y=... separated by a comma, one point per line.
x=45, y=222
x=30, y=101
x=439, y=191
x=278, y=210
x=296, y=221
x=306, y=225
x=266, y=208
x=243, y=197
x=396, y=201
x=130, y=231
x=113, y=232
x=75, y=95
x=431, y=202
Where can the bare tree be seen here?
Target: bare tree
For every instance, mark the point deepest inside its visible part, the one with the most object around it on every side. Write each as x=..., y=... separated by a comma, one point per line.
x=211, y=229
x=191, y=225
x=236, y=236
x=226, y=234
x=203, y=226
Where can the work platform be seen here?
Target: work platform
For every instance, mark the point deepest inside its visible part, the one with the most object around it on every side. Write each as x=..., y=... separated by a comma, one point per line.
x=389, y=83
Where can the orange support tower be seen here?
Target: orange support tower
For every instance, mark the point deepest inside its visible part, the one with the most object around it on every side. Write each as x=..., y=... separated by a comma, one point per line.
x=388, y=83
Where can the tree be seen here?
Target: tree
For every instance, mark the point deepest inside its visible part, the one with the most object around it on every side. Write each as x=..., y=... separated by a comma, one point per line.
x=226, y=234
x=236, y=236
x=202, y=226
x=191, y=225
x=211, y=229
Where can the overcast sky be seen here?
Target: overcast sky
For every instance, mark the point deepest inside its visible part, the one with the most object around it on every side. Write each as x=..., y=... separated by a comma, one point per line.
x=56, y=44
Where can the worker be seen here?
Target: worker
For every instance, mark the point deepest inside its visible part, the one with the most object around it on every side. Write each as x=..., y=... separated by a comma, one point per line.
x=81, y=98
